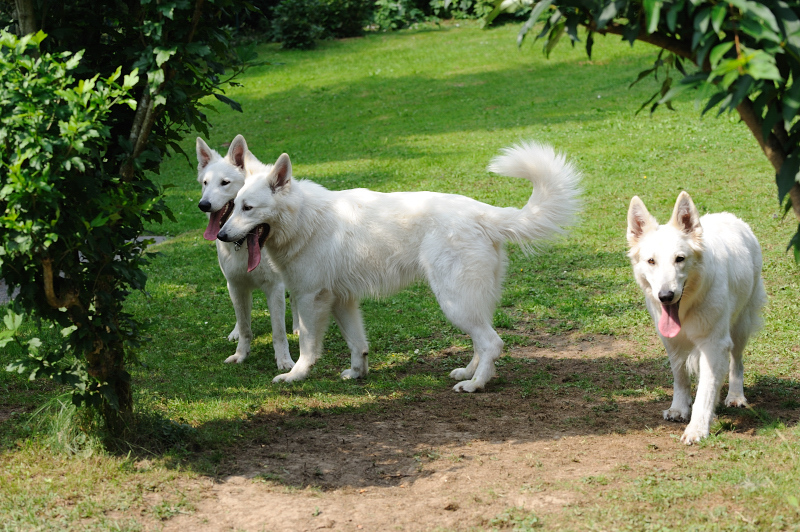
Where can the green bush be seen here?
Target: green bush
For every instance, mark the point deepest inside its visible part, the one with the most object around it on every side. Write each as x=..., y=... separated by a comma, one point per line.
x=461, y=9
x=346, y=18
x=68, y=235
x=296, y=23
x=397, y=14
x=76, y=143
x=300, y=23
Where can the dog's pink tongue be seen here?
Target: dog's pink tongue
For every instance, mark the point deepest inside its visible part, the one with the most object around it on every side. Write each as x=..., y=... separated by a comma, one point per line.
x=253, y=252
x=213, y=225
x=670, y=324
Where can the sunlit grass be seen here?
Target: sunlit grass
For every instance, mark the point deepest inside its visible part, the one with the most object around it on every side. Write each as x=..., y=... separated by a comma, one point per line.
x=426, y=110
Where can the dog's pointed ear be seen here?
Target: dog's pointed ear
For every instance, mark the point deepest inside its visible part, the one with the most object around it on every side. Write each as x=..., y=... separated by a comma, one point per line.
x=251, y=163
x=204, y=154
x=237, y=152
x=685, y=216
x=281, y=174
x=639, y=220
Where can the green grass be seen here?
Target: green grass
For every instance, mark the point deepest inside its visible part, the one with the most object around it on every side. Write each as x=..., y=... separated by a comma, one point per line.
x=426, y=110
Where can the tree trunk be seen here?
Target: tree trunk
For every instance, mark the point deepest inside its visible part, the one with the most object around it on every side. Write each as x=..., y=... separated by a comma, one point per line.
x=771, y=146
x=26, y=17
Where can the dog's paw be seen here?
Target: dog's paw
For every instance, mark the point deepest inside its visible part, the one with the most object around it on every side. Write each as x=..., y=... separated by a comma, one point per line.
x=693, y=435
x=288, y=377
x=234, y=335
x=284, y=362
x=352, y=374
x=736, y=400
x=461, y=374
x=235, y=358
x=468, y=386
x=674, y=414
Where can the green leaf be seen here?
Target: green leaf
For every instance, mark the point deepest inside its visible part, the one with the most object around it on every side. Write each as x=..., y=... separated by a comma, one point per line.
x=608, y=13
x=787, y=175
x=12, y=320
x=791, y=101
x=130, y=80
x=702, y=20
x=718, y=52
x=762, y=66
x=652, y=13
x=718, y=13
x=163, y=55
x=233, y=104
x=672, y=16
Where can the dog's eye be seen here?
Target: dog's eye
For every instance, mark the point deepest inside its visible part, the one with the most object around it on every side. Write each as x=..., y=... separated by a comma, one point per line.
x=679, y=259
x=651, y=261
x=205, y=182
x=246, y=207
x=225, y=182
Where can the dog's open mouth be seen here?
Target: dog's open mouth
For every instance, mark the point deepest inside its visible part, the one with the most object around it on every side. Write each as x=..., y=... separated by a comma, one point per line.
x=669, y=325
x=217, y=220
x=256, y=239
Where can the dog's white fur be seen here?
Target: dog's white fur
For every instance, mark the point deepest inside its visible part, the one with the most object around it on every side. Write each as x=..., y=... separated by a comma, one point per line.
x=334, y=248
x=221, y=179
x=707, y=272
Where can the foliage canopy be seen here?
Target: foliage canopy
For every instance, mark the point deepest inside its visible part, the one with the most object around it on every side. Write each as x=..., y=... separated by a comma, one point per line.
x=736, y=54
x=76, y=140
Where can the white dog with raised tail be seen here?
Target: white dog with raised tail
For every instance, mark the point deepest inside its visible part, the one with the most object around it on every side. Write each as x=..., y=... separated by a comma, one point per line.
x=221, y=179
x=334, y=248
x=701, y=279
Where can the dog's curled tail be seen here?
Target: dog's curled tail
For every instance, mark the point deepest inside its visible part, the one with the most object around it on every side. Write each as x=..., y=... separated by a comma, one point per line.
x=554, y=204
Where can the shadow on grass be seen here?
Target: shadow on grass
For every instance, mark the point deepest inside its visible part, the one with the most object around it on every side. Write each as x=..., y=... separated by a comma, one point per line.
x=541, y=394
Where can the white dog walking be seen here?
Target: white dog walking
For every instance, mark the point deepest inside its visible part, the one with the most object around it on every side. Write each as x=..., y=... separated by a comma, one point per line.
x=334, y=248
x=702, y=283
x=221, y=179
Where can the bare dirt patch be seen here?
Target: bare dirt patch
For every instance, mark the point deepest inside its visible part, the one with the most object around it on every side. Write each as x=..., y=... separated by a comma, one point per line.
x=568, y=417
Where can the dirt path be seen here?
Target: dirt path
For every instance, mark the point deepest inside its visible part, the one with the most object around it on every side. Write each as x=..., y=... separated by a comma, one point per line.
x=456, y=461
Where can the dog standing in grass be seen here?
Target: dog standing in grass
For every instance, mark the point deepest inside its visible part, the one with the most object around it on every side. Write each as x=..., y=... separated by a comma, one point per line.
x=221, y=179
x=701, y=279
x=334, y=248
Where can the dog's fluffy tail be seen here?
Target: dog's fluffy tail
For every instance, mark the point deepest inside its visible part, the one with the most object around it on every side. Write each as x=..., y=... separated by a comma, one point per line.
x=554, y=204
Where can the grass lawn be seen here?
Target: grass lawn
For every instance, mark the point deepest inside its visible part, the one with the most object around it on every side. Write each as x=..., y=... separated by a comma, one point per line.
x=426, y=109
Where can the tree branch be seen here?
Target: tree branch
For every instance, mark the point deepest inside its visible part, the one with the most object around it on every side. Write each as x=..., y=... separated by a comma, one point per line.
x=198, y=11
x=669, y=44
x=771, y=146
x=64, y=301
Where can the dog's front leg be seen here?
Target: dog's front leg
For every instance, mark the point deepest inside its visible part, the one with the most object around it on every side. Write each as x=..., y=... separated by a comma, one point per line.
x=276, y=302
x=314, y=310
x=348, y=317
x=713, y=366
x=681, y=406
x=295, y=316
x=242, y=299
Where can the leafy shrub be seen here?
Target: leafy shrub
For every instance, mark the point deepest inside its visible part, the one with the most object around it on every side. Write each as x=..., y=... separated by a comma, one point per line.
x=68, y=209
x=461, y=9
x=346, y=18
x=76, y=142
x=397, y=14
x=300, y=23
x=297, y=23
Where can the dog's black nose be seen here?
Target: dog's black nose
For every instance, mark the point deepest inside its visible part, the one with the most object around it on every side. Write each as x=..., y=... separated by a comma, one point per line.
x=222, y=236
x=666, y=296
x=204, y=206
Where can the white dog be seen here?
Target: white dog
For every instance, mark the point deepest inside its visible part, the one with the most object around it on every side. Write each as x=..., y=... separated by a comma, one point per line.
x=702, y=283
x=221, y=179
x=334, y=248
